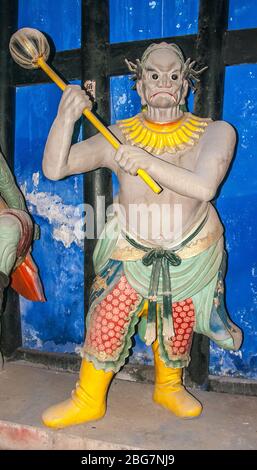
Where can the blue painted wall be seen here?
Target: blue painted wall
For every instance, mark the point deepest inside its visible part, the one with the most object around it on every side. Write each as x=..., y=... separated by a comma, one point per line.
x=61, y=19
x=237, y=205
x=242, y=14
x=132, y=20
x=58, y=324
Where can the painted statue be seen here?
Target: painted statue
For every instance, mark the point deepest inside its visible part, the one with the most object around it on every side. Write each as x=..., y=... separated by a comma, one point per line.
x=160, y=261
x=17, y=232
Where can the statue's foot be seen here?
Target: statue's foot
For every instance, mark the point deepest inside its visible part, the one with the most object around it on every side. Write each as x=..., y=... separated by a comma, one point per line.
x=181, y=403
x=87, y=402
x=68, y=413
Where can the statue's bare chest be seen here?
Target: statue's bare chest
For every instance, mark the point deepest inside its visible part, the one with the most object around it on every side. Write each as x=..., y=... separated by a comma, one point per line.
x=186, y=159
x=134, y=190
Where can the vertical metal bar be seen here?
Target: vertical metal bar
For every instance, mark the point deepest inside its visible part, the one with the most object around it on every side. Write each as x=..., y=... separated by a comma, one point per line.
x=8, y=24
x=11, y=325
x=95, y=50
x=212, y=24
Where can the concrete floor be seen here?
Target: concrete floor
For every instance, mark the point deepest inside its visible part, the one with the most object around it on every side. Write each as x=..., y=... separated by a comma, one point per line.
x=132, y=420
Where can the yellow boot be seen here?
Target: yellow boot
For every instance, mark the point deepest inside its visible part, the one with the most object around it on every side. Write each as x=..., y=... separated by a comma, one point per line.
x=169, y=391
x=87, y=403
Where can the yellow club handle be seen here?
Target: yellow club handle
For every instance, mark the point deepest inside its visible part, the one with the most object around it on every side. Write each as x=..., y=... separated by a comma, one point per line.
x=98, y=125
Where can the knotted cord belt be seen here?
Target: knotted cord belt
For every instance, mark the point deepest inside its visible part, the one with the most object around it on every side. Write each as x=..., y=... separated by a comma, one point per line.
x=160, y=260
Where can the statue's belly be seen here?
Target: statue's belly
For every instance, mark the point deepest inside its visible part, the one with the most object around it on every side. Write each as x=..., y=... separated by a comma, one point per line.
x=167, y=222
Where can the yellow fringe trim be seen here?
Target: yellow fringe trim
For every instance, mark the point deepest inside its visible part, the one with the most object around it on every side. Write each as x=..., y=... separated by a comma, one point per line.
x=158, y=138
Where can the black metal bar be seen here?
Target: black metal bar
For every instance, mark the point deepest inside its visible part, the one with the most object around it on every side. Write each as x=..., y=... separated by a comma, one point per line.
x=11, y=337
x=59, y=361
x=212, y=24
x=66, y=63
x=11, y=325
x=135, y=372
x=240, y=47
x=197, y=373
x=72, y=362
x=8, y=24
x=134, y=50
x=233, y=385
x=95, y=57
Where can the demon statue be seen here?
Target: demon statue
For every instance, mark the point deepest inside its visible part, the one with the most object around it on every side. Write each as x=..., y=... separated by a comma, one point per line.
x=160, y=261
x=16, y=235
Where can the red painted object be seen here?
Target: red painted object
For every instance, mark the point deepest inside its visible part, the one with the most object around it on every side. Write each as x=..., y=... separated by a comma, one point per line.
x=184, y=319
x=110, y=320
x=25, y=280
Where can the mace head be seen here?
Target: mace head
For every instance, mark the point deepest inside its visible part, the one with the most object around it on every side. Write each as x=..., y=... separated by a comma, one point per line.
x=28, y=45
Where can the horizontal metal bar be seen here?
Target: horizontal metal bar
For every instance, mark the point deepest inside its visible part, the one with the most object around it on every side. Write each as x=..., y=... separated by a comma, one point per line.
x=71, y=363
x=136, y=372
x=68, y=362
x=66, y=63
x=133, y=50
x=233, y=385
x=239, y=47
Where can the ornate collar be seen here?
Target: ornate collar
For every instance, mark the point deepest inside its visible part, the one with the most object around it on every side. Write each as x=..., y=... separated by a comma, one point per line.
x=158, y=138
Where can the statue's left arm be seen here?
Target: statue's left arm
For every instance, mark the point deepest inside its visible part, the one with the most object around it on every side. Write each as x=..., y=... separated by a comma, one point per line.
x=215, y=152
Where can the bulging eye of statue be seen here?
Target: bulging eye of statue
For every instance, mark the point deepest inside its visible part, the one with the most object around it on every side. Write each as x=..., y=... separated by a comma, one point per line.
x=155, y=76
x=174, y=76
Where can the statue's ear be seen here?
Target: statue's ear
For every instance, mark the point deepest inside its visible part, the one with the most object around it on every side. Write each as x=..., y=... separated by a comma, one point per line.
x=140, y=91
x=184, y=92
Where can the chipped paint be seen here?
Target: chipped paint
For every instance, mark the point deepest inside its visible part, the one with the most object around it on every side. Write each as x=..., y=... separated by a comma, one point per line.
x=29, y=334
x=152, y=4
x=62, y=218
x=58, y=324
x=35, y=179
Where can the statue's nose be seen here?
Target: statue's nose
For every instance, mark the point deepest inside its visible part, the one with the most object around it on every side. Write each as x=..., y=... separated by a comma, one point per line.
x=165, y=81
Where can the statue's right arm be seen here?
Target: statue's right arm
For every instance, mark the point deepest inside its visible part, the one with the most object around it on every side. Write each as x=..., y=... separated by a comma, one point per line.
x=61, y=158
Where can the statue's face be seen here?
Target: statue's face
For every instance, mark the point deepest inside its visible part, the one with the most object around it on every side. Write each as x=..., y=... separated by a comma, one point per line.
x=162, y=84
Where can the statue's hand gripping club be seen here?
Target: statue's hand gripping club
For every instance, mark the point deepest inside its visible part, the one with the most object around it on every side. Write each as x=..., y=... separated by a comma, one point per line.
x=30, y=49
